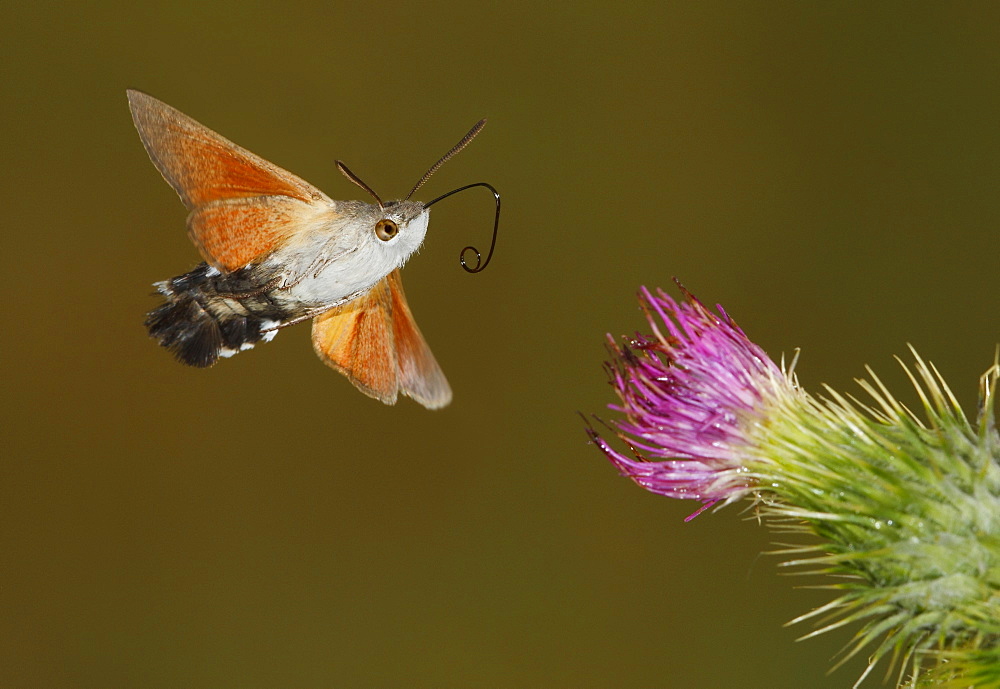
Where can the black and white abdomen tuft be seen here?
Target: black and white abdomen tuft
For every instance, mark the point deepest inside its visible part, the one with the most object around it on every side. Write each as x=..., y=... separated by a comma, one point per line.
x=208, y=314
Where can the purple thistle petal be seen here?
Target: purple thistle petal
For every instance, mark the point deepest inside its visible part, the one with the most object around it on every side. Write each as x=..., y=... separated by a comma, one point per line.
x=691, y=393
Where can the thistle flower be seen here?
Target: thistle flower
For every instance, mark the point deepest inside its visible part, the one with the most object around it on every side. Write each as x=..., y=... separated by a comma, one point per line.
x=905, y=510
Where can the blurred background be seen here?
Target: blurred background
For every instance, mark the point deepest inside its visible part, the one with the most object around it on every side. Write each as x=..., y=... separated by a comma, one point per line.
x=829, y=172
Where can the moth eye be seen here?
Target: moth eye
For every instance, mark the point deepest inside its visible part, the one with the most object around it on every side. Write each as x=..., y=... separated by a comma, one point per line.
x=386, y=229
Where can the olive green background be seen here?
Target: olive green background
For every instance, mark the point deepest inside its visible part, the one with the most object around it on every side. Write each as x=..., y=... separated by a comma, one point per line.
x=829, y=172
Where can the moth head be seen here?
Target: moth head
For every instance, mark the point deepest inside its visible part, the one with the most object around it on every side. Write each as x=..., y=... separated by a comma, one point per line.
x=402, y=225
x=399, y=227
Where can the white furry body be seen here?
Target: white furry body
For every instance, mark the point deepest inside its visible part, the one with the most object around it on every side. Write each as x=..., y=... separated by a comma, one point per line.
x=338, y=257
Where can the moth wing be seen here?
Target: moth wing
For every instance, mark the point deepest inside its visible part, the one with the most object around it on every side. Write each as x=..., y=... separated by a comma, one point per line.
x=230, y=233
x=242, y=206
x=374, y=341
x=356, y=339
x=420, y=376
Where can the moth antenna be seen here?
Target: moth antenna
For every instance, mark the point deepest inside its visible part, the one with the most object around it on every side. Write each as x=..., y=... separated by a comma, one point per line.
x=448, y=156
x=346, y=171
x=480, y=264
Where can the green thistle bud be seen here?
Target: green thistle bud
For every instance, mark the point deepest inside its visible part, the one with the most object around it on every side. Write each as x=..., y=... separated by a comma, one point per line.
x=906, y=507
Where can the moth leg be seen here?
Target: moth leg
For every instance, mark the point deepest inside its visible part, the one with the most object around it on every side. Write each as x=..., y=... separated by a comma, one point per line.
x=268, y=286
x=317, y=266
x=308, y=315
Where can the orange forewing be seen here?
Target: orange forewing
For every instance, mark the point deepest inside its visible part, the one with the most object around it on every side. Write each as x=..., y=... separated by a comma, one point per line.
x=356, y=339
x=374, y=341
x=241, y=205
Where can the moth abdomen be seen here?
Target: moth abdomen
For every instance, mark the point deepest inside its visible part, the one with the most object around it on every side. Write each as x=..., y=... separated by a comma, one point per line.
x=208, y=314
